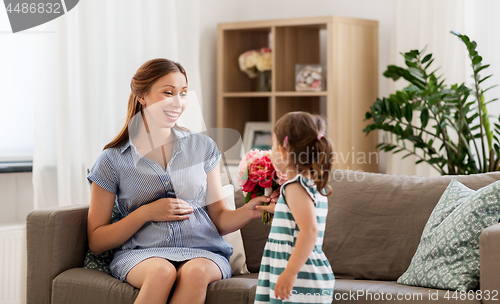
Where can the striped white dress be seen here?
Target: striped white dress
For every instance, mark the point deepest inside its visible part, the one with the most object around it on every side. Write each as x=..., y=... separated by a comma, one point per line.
x=315, y=280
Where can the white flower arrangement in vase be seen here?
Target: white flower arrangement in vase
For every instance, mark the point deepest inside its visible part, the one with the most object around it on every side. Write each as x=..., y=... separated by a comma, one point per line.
x=258, y=63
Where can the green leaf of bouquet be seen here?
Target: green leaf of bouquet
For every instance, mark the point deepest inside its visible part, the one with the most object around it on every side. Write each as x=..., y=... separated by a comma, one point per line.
x=248, y=197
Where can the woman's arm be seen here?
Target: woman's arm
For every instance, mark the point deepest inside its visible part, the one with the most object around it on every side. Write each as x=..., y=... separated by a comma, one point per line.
x=302, y=207
x=104, y=236
x=225, y=219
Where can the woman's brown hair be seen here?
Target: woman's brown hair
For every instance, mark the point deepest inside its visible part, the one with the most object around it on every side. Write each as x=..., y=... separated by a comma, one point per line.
x=308, y=147
x=140, y=85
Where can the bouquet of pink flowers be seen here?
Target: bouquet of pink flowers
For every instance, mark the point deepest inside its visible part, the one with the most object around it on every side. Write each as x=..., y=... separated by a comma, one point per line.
x=258, y=177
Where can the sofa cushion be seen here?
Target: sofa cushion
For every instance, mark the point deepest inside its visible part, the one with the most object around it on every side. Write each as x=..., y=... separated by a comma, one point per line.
x=254, y=236
x=375, y=221
x=448, y=254
x=237, y=289
x=101, y=262
x=83, y=286
x=389, y=292
x=238, y=259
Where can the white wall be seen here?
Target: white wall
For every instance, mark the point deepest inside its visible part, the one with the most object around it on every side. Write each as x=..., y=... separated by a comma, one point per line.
x=16, y=199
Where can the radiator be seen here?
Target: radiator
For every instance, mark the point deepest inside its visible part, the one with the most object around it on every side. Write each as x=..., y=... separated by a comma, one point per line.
x=13, y=264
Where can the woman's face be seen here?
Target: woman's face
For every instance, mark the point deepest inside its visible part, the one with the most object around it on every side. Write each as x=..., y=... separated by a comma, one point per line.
x=166, y=100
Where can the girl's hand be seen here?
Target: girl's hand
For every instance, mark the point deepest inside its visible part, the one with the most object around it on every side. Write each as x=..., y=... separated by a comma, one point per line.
x=255, y=204
x=272, y=203
x=284, y=286
x=275, y=195
x=268, y=208
x=167, y=209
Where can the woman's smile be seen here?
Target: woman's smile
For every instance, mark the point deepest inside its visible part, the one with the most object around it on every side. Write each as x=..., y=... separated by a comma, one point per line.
x=172, y=115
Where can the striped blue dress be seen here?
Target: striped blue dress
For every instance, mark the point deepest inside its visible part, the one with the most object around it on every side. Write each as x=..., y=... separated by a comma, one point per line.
x=315, y=280
x=137, y=180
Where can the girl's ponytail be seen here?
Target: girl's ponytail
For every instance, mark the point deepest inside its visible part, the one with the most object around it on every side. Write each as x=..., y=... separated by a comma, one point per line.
x=305, y=135
x=321, y=164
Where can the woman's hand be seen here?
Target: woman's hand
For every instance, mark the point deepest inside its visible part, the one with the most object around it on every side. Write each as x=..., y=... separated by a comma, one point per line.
x=167, y=209
x=272, y=203
x=284, y=286
x=256, y=204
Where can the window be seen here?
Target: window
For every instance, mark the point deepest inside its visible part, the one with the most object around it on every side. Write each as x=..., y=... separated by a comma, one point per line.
x=17, y=121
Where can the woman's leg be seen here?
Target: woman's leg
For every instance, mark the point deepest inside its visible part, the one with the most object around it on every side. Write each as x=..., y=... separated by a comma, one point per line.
x=155, y=278
x=193, y=278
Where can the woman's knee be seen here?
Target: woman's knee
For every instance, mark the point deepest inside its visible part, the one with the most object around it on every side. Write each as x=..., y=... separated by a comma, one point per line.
x=153, y=269
x=162, y=271
x=201, y=271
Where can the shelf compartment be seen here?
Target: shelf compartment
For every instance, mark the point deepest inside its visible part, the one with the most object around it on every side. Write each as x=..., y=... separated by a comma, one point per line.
x=311, y=104
x=237, y=111
x=247, y=94
x=294, y=45
x=235, y=42
x=300, y=94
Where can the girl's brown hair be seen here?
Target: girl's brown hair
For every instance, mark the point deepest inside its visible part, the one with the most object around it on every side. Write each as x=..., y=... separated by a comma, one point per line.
x=308, y=147
x=140, y=85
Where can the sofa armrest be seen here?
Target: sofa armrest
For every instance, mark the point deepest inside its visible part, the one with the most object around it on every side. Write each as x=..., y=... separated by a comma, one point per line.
x=56, y=241
x=489, y=247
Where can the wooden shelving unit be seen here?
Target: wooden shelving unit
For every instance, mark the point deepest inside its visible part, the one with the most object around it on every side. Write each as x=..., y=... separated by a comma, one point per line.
x=348, y=47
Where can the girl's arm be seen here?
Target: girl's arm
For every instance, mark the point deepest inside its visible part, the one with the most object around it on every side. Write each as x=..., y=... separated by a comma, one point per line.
x=302, y=207
x=225, y=219
x=104, y=236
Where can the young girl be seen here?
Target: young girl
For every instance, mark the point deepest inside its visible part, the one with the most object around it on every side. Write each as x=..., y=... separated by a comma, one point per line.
x=293, y=265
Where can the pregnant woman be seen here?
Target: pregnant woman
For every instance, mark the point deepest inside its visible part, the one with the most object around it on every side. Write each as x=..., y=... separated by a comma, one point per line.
x=166, y=183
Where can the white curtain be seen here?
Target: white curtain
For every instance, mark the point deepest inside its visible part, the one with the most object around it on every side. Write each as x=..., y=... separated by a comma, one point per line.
x=482, y=25
x=84, y=65
x=429, y=22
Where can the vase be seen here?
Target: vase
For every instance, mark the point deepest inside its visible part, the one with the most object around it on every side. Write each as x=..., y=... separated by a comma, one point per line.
x=265, y=81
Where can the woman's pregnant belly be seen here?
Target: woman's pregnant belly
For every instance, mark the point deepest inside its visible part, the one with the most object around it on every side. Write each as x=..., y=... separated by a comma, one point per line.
x=198, y=231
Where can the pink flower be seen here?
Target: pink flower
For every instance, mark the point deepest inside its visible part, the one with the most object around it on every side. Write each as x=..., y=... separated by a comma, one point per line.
x=256, y=168
x=265, y=50
x=256, y=174
x=249, y=186
x=281, y=178
x=261, y=171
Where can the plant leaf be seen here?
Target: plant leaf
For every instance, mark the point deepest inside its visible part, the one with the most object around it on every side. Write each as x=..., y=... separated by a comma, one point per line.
x=424, y=117
x=426, y=58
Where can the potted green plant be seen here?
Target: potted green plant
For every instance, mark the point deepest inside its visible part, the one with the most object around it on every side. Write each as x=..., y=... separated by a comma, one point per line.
x=452, y=130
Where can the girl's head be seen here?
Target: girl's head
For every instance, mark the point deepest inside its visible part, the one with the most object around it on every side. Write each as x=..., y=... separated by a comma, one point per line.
x=300, y=143
x=160, y=84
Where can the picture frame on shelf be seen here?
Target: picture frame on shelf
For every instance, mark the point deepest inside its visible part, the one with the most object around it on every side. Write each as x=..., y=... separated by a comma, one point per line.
x=309, y=77
x=257, y=135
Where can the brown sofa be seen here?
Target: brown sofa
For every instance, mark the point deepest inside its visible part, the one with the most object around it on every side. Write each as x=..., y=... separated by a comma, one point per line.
x=373, y=229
